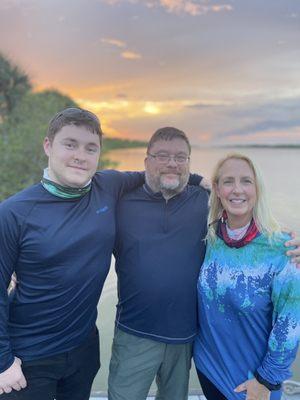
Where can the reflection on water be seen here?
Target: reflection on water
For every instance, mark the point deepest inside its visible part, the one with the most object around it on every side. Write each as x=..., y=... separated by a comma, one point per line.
x=280, y=168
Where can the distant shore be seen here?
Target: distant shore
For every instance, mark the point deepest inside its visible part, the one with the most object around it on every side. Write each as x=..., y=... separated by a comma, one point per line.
x=242, y=146
x=117, y=143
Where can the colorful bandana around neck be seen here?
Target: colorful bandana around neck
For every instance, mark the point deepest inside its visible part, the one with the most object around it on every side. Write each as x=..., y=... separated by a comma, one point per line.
x=63, y=191
x=251, y=233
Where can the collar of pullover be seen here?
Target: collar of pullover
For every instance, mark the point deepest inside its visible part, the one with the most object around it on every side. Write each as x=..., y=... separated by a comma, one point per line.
x=158, y=195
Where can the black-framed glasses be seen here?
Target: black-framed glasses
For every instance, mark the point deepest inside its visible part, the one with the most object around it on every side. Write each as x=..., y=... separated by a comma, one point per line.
x=165, y=158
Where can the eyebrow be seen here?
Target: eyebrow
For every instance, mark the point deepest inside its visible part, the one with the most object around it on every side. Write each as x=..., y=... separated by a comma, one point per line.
x=168, y=153
x=232, y=177
x=76, y=141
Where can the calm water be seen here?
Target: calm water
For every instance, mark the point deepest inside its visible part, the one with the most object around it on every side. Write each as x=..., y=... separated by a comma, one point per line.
x=280, y=168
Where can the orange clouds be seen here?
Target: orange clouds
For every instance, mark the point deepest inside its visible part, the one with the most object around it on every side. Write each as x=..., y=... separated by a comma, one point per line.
x=205, y=137
x=127, y=54
x=115, y=110
x=114, y=42
x=191, y=7
x=130, y=55
x=152, y=108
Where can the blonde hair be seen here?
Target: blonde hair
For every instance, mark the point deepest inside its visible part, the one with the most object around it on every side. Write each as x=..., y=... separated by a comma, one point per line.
x=262, y=214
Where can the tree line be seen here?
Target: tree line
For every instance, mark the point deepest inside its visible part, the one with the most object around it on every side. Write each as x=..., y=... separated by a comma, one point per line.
x=24, y=117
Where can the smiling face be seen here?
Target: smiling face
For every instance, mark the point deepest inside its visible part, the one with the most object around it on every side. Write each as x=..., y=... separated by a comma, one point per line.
x=236, y=190
x=168, y=177
x=73, y=155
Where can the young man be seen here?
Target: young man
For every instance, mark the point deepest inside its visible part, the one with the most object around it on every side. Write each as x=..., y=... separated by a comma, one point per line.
x=159, y=250
x=58, y=237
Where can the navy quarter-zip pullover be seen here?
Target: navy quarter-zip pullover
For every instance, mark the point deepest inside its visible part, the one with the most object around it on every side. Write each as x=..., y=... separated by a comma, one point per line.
x=159, y=249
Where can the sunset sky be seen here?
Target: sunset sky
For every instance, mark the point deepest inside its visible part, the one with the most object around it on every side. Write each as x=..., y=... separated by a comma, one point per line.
x=222, y=71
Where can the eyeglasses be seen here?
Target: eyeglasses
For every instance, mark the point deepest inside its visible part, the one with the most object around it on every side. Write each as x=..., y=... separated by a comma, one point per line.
x=165, y=158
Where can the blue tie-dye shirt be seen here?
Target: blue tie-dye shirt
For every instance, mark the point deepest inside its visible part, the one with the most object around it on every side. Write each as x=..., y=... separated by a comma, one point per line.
x=249, y=312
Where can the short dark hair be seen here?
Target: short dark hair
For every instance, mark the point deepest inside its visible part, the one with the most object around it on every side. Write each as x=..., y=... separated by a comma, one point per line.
x=168, y=133
x=74, y=116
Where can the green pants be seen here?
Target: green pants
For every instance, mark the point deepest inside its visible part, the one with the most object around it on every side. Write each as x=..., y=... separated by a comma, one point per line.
x=136, y=361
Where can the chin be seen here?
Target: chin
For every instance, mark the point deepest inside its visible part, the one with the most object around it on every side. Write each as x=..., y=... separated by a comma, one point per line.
x=241, y=215
x=77, y=183
x=169, y=184
x=236, y=213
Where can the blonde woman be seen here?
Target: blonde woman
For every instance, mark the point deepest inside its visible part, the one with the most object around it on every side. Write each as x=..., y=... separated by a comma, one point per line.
x=248, y=292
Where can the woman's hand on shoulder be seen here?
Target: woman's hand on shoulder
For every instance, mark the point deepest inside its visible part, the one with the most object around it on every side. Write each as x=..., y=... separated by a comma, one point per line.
x=254, y=389
x=295, y=253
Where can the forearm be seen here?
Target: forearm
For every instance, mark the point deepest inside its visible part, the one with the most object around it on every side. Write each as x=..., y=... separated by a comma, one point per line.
x=195, y=179
x=8, y=257
x=122, y=182
x=284, y=337
x=6, y=355
x=10, y=239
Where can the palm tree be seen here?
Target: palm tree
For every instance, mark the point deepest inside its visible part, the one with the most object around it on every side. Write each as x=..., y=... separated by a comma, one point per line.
x=14, y=83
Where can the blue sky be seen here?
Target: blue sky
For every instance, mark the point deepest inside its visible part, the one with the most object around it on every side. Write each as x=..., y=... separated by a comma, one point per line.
x=222, y=71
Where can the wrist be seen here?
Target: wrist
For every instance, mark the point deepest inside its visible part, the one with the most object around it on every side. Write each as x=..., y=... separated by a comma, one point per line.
x=270, y=386
x=8, y=364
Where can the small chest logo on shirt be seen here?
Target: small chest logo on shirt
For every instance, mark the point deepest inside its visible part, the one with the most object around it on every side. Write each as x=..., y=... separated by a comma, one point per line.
x=102, y=210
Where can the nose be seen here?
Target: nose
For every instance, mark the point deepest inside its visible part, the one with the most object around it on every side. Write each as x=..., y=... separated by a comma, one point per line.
x=172, y=162
x=80, y=155
x=237, y=187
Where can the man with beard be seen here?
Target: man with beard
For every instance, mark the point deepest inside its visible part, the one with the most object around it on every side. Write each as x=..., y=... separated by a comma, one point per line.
x=159, y=249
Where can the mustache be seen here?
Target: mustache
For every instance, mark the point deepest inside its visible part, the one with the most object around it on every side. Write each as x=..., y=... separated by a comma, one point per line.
x=170, y=171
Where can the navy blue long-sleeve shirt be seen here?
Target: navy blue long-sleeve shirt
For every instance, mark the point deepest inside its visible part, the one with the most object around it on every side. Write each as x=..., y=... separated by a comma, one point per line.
x=60, y=250
x=159, y=249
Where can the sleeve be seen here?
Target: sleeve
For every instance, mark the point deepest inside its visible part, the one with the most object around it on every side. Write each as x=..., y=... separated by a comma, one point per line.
x=9, y=234
x=195, y=179
x=284, y=338
x=119, y=183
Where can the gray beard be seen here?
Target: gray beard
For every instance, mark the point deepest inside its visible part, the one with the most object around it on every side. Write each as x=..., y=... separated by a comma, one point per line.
x=167, y=191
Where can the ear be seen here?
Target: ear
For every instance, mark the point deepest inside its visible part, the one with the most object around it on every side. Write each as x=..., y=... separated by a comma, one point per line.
x=47, y=145
x=216, y=189
x=145, y=162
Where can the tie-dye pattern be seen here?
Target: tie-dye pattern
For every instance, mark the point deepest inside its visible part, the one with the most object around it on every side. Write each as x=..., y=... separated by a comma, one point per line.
x=249, y=313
